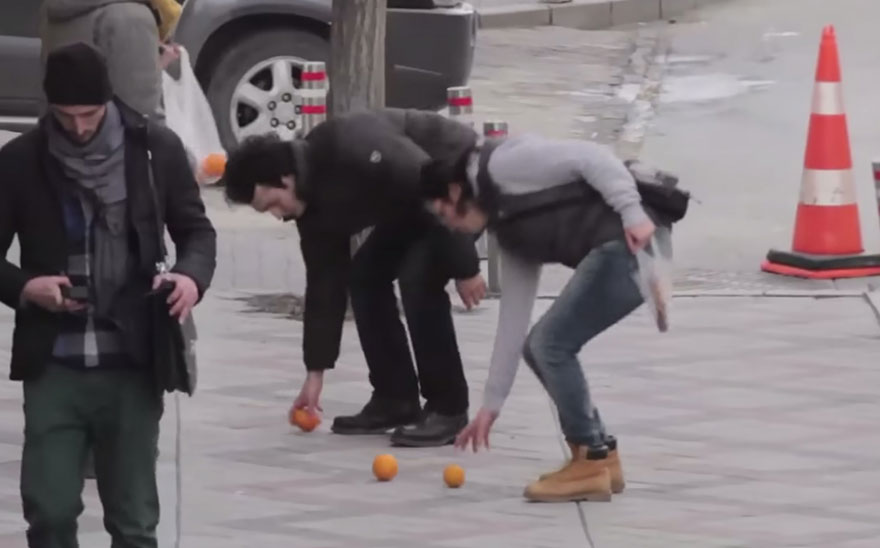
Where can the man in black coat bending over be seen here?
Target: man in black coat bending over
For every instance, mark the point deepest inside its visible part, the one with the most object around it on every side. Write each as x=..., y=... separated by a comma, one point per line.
x=352, y=186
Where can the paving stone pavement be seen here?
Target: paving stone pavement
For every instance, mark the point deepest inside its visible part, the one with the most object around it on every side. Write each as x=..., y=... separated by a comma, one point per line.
x=752, y=423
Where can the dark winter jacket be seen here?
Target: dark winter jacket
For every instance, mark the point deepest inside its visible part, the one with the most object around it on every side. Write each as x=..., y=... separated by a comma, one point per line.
x=356, y=171
x=30, y=209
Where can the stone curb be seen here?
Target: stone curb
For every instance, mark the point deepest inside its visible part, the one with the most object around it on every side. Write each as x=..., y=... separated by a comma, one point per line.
x=586, y=14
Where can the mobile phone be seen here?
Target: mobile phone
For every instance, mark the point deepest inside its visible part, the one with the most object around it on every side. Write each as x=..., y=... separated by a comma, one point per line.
x=167, y=286
x=76, y=293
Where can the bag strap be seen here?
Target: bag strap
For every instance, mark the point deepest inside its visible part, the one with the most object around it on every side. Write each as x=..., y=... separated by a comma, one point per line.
x=487, y=191
x=162, y=265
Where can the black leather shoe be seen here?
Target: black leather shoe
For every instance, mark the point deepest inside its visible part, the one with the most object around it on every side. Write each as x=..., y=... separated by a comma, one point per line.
x=377, y=417
x=434, y=430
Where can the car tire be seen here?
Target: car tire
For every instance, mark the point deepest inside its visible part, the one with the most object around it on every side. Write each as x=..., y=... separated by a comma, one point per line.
x=247, y=53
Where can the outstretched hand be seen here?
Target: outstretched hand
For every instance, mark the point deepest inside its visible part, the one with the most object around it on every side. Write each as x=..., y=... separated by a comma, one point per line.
x=477, y=432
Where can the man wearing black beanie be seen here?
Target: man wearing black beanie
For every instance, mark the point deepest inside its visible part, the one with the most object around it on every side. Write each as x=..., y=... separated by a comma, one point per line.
x=99, y=183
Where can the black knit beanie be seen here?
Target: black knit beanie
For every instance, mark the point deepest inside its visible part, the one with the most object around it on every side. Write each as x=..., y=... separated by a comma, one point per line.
x=77, y=75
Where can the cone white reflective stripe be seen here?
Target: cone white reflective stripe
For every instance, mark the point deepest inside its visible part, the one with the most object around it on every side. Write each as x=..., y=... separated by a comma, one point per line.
x=828, y=187
x=828, y=99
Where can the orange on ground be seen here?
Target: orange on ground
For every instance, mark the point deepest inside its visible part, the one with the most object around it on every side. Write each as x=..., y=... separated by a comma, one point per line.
x=453, y=475
x=305, y=420
x=384, y=467
x=214, y=165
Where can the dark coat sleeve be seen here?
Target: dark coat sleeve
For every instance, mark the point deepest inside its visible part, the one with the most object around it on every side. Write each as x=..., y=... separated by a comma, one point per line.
x=12, y=278
x=460, y=253
x=194, y=237
x=328, y=263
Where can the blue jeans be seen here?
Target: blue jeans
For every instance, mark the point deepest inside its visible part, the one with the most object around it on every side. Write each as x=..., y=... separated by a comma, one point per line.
x=599, y=294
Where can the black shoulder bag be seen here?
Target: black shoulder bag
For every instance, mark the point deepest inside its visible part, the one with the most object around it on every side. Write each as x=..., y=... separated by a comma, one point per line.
x=173, y=343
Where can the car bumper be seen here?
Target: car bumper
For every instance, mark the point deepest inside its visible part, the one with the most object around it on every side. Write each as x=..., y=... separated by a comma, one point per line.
x=419, y=70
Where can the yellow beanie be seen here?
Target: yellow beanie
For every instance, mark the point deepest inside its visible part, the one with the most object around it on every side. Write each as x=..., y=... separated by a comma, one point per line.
x=169, y=13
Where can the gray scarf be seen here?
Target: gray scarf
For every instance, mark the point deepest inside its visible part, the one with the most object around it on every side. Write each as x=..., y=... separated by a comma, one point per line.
x=98, y=167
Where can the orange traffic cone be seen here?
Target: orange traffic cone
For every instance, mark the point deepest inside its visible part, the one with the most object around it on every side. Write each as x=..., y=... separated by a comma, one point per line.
x=827, y=239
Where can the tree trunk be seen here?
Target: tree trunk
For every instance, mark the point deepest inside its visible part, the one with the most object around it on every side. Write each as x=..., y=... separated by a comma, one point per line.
x=357, y=61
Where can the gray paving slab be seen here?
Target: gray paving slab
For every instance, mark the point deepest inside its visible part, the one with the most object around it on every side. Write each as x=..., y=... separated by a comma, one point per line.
x=751, y=423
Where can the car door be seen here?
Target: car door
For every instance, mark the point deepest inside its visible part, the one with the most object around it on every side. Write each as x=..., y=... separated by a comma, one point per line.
x=20, y=70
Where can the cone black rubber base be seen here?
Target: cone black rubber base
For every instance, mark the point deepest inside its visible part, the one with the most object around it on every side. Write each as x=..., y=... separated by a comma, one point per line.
x=824, y=267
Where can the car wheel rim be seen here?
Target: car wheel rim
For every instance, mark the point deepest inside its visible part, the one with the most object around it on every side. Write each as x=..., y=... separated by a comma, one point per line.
x=268, y=98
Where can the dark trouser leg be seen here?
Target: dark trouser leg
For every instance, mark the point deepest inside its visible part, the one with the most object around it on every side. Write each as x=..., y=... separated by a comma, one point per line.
x=600, y=293
x=423, y=279
x=126, y=429
x=55, y=443
x=395, y=399
x=382, y=335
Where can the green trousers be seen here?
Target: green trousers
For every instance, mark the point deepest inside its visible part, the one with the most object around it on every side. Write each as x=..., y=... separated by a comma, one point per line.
x=116, y=413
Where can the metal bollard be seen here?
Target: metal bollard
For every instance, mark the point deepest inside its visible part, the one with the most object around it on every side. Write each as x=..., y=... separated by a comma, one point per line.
x=494, y=128
x=314, y=111
x=460, y=101
x=312, y=95
x=314, y=76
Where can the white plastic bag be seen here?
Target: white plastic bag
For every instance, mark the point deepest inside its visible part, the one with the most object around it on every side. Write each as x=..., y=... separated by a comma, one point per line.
x=654, y=276
x=189, y=115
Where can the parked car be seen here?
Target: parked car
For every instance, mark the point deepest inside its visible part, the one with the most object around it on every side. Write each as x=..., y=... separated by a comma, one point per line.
x=242, y=50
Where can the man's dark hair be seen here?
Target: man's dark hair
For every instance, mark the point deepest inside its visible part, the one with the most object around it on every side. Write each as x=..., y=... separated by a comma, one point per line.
x=437, y=175
x=259, y=159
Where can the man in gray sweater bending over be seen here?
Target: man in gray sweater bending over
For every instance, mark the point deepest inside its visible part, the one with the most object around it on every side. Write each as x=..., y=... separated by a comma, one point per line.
x=555, y=201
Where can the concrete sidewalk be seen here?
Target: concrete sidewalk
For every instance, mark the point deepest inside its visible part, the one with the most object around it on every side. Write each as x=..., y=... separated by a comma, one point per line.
x=752, y=423
x=581, y=14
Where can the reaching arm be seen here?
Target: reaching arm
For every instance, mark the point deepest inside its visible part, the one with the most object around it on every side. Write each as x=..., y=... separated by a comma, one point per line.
x=519, y=287
x=328, y=261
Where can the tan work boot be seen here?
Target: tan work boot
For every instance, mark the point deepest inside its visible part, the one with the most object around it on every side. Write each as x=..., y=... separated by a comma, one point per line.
x=586, y=477
x=572, y=450
x=615, y=469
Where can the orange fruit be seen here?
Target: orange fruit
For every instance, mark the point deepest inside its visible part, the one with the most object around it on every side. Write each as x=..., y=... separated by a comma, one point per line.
x=305, y=420
x=384, y=467
x=453, y=475
x=214, y=165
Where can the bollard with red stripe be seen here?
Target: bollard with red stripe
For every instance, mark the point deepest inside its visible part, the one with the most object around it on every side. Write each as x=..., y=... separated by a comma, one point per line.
x=827, y=240
x=312, y=96
x=314, y=111
x=460, y=101
x=494, y=128
x=314, y=76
